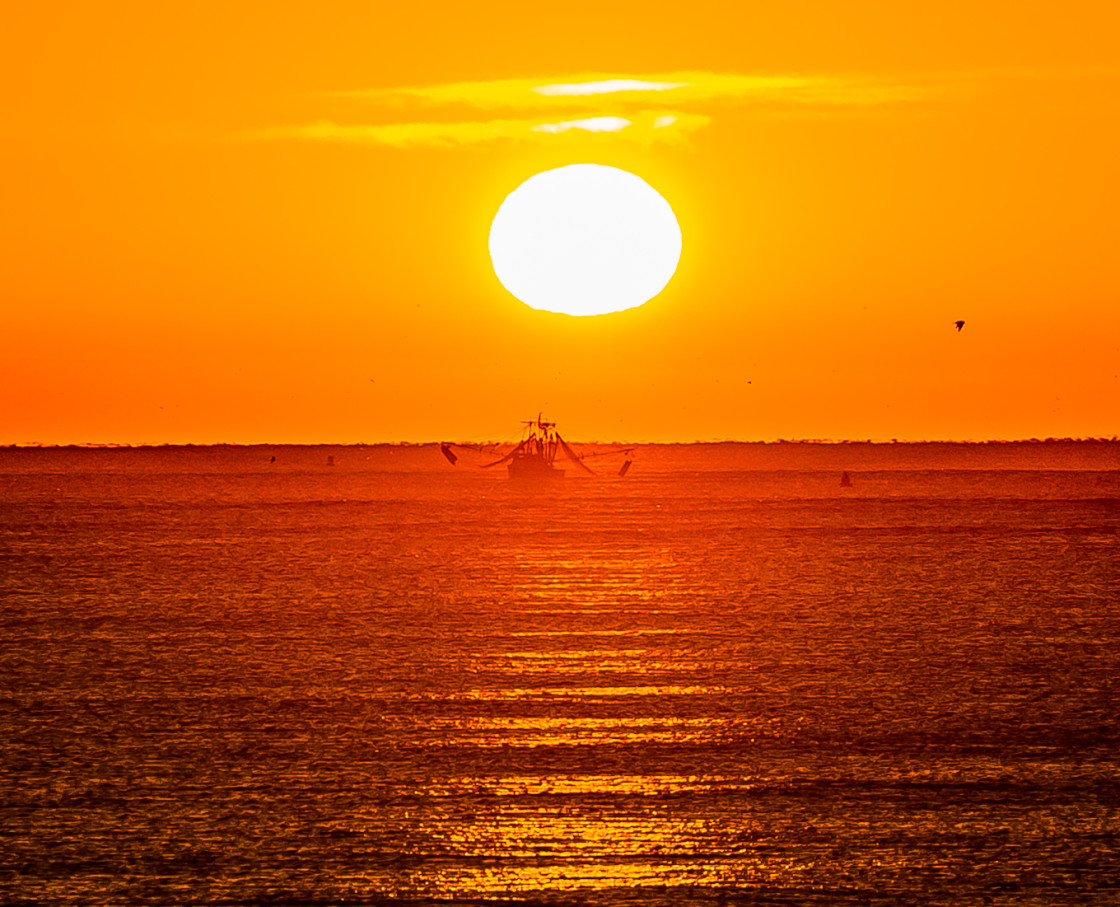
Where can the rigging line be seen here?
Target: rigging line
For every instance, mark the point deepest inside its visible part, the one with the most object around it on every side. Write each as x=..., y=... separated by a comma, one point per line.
x=508, y=456
x=573, y=456
x=606, y=453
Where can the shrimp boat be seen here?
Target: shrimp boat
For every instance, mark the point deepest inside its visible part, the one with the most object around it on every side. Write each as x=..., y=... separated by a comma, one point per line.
x=534, y=456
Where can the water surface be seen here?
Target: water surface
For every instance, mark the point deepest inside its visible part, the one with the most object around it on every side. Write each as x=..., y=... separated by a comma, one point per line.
x=724, y=678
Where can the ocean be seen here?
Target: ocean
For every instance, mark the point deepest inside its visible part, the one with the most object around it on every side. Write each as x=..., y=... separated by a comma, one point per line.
x=723, y=678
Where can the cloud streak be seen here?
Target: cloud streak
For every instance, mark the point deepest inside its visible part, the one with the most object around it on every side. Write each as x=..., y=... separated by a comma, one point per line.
x=594, y=124
x=606, y=86
x=642, y=129
x=590, y=89
x=588, y=104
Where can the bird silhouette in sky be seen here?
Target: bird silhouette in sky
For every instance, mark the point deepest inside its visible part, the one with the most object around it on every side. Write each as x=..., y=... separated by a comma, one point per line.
x=959, y=324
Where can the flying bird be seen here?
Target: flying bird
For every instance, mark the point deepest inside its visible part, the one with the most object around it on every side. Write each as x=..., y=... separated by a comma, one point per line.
x=959, y=324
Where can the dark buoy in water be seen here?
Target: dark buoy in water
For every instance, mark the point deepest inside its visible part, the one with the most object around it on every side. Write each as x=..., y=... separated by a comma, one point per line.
x=330, y=461
x=446, y=450
x=272, y=459
x=625, y=467
x=845, y=480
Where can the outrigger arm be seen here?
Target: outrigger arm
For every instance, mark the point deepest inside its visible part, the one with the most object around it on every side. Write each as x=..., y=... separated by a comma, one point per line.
x=573, y=456
x=508, y=456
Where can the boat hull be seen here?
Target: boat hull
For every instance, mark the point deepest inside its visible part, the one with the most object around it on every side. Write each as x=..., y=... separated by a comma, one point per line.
x=536, y=468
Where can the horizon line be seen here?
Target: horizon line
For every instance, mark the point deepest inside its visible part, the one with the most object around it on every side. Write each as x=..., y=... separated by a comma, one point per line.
x=123, y=445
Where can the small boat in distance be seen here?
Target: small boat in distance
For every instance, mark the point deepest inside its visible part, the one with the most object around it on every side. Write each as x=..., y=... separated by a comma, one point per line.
x=534, y=456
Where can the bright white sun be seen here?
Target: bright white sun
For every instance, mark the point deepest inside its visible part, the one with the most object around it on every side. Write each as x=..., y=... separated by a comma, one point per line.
x=585, y=240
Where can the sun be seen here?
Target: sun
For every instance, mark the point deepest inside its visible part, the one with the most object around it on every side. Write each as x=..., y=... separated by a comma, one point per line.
x=585, y=239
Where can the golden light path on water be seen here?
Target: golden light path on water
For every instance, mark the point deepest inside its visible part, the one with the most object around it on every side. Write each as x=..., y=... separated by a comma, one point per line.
x=579, y=831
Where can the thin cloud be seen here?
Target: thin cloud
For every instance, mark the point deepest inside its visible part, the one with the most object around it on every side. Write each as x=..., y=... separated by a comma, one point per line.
x=537, y=107
x=607, y=86
x=643, y=129
x=594, y=124
x=589, y=89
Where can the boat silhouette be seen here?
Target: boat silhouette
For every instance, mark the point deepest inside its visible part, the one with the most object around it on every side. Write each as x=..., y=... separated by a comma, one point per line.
x=535, y=455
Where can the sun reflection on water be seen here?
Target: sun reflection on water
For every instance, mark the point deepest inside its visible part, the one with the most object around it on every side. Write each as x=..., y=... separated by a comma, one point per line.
x=545, y=686
x=568, y=832
x=585, y=692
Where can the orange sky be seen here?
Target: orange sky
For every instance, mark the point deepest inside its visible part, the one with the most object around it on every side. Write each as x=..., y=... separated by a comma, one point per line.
x=226, y=222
